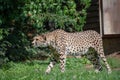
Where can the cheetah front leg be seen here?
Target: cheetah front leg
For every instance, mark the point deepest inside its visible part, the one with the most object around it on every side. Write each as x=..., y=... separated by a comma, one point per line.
x=62, y=62
x=54, y=59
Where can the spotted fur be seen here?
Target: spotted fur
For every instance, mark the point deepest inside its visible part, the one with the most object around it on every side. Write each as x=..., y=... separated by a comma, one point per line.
x=80, y=43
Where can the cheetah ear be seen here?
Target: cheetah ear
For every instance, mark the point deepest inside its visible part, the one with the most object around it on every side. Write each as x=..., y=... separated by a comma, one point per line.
x=37, y=34
x=44, y=37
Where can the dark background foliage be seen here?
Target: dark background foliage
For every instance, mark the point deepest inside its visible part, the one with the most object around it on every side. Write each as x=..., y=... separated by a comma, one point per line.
x=20, y=20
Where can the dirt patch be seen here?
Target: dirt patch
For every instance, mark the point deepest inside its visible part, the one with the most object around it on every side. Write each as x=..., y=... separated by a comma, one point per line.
x=88, y=66
x=115, y=55
x=116, y=69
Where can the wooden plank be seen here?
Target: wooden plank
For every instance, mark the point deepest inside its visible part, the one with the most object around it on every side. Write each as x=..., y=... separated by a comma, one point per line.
x=93, y=14
x=94, y=1
x=95, y=4
x=92, y=21
x=92, y=28
x=93, y=8
x=110, y=16
x=95, y=19
x=92, y=25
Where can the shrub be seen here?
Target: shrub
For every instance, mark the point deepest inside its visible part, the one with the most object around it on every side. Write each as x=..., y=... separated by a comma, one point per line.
x=47, y=15
x=20, y=20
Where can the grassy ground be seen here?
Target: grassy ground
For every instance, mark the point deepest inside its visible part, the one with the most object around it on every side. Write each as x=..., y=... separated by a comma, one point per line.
x=75, y=70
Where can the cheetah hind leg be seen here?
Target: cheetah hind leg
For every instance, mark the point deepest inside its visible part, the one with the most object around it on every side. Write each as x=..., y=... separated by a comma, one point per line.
x=93, y=57
x=51, y=65
x=105, y=62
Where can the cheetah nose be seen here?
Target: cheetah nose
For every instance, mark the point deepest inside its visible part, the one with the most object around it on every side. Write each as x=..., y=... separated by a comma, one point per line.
x=32, y=43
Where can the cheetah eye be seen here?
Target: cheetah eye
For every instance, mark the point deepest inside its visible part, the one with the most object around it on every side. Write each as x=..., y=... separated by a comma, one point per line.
x=36, y=39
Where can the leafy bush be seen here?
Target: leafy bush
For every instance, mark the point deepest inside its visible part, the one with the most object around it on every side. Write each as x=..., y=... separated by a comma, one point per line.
x=13, y=40
x=52, y=14
x=3, y=46
x=20, y=20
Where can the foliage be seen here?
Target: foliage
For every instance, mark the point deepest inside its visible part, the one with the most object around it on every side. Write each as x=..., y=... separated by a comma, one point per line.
x=3, y=46
x=35, y=71
x=21, y=19
x=14, y=43
x=53, y=14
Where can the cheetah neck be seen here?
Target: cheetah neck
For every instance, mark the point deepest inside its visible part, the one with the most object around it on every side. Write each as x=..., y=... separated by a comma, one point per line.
x=50, y=39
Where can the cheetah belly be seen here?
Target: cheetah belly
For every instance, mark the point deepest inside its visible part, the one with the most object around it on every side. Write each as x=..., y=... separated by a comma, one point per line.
x=76, y=51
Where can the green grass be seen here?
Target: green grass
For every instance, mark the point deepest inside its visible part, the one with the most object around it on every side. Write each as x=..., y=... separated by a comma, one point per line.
x=75, y=70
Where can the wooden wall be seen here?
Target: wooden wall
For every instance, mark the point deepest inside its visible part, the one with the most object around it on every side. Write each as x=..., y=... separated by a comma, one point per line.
x=93, y=22
x=111, y=17
x=111, y=45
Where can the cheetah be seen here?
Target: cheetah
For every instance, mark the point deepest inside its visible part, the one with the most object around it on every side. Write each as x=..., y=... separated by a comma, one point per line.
x=65, y=43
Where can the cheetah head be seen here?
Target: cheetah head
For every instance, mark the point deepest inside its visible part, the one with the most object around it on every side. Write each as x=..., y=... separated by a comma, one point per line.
x=39, y=41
